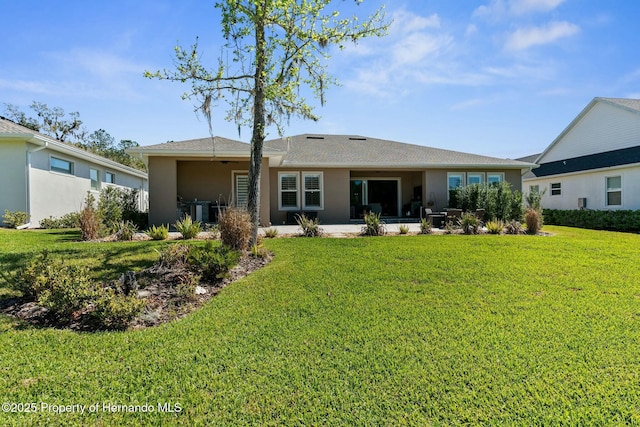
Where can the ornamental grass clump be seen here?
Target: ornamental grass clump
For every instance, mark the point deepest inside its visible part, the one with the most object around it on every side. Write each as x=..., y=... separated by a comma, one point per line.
x=495, y=226
x=469, y=223
x=187, y=227
x=425, y=226
x=533, y=219
x=160, y=232
x=373, y=225
x=403, y=229
x=309, y=227
x=234, y=225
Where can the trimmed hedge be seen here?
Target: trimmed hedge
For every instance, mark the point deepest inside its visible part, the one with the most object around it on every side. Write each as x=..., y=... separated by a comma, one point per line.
x=618, y=220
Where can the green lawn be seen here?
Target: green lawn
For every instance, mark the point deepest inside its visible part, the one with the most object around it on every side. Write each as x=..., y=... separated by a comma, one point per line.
x=403, y=330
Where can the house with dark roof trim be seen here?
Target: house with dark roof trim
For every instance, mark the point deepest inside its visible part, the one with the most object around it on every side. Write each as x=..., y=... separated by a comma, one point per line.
x=595, y=162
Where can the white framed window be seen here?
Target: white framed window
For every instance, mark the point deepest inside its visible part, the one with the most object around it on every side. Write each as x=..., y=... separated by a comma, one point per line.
x=94, y=176
x=312, y=187
x=495, y=178
x=60, y=165
x=556, y=188
x=110, y=177
x=475, y=178
x=614, y=190
x=288, y=194
x=534, y=189
x=455, y=180
x=241, y=188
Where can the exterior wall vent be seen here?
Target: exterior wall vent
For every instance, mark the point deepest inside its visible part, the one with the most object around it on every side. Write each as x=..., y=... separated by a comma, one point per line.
x=315, y=137
x=357, y=138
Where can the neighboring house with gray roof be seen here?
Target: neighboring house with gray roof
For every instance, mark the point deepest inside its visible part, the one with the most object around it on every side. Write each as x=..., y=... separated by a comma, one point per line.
x=336, y=177
x=595, y=162
x=46, y=177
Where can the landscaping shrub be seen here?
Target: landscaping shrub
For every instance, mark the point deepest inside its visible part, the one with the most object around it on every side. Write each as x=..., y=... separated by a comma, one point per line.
x=66, y=289
x=60, y=287
x=495, y=226
x=235, y=228
x=309, y=227
x=89, y=219
x=110, y=207
x=70, y=220
x=213, y=263
x=158, y=233
x=403, y=229
x=125, y=230
x=614, y=220
x=15, y=219
x=188, y=227
x=259, y=251
x=533, y=219
x=115, y=311
x=174, y=256
x=373, y=226
x=425, y=226
x=498, y=200
x=271, y=233
x=469, y=223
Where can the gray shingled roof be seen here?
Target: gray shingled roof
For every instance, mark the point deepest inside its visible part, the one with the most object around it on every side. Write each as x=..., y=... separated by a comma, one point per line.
x=359, y=151
x=632, y=104
x=200, y=145
x=7, y=126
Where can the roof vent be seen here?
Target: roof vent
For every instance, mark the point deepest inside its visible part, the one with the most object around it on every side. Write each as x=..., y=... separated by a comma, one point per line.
x=314, y=137
x=357, y=138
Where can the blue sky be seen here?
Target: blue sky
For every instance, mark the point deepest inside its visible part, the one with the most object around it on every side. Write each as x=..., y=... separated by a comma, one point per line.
x=495, y=77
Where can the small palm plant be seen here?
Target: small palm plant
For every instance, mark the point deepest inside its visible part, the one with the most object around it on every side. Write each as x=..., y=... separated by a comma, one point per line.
x=188, y=227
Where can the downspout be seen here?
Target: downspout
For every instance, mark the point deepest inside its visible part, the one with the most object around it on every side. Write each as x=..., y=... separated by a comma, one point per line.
x=28, y=180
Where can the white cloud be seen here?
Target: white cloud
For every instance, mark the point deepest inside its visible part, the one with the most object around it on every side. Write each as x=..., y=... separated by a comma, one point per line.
x=521, y=7
x=524, y=38
x=498, y=9
x=416, y=47
x=407, y=22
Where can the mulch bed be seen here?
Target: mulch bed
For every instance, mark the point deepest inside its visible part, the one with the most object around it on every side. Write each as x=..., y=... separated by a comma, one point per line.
x=163, y=300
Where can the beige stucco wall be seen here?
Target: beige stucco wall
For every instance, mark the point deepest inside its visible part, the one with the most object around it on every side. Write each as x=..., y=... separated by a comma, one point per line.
x=336, y=195
x=205, y=180
x=13, y=166
x=162, y=190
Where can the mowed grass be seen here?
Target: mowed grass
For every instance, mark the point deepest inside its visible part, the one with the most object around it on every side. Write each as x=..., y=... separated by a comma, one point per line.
x=404, y=330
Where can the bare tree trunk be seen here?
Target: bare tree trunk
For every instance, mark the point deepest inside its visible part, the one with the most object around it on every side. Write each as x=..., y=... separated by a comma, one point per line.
x=257, y=138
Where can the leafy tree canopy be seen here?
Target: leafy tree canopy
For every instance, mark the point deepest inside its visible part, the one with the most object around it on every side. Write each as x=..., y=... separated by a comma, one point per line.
x=54, y=123
x=272, y=49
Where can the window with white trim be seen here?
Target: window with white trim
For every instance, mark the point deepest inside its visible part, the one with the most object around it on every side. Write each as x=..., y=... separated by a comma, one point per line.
x=475, y=178
x=110, y=177
x=61, y=165
x=455, y=180
x=495, y=178
x=534, y=189
x=94, y=176
x=614, y=191
x=288, y=198
x=313, y=197
x=556, y=188
x=241, y=189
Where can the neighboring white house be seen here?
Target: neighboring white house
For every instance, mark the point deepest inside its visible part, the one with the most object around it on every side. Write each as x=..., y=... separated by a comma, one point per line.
x=45, y=177
x=595, y=162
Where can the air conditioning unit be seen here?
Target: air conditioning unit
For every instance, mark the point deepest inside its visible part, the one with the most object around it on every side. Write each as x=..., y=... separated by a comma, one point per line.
x=582, y=202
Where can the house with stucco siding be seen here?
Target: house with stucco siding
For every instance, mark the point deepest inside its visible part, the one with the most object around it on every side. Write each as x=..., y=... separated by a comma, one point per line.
x=335, y=178
x=46, y=177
